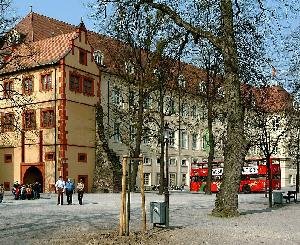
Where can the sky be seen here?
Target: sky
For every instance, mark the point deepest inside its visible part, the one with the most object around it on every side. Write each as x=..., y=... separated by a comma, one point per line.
x=70, y=11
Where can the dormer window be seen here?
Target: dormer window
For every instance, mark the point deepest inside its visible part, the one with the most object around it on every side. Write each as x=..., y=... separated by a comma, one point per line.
x=99, y=58
x=129, y=68
x=14, y=37
x=181, y=81
x=202, y=87
x=220, y=92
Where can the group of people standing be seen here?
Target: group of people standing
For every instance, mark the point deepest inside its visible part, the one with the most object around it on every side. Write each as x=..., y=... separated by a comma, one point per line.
x=68, y=187
x=29, y=191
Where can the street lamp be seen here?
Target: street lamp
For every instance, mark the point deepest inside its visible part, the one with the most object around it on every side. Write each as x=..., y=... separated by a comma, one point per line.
x=167, y=200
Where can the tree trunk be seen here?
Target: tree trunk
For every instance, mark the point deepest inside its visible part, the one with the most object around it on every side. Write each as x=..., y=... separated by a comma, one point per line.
x=211, y=145
x=226, y=204
x=138, y=138
x=161, y=139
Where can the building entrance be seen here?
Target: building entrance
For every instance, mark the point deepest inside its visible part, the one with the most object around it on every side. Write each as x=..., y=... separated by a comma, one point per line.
x=32, y=175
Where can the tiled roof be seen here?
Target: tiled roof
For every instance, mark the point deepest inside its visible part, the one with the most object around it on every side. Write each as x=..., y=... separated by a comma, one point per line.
x=51, y=36
x=46, y=51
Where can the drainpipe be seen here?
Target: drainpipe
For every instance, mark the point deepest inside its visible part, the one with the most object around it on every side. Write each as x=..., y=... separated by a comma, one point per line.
x=55, y=127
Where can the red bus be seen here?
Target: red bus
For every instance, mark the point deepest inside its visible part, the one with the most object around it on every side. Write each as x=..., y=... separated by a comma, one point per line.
x=253, y=175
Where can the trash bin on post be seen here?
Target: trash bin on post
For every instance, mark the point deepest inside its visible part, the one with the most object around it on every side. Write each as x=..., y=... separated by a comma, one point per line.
x=277, y=197
x=158, y=213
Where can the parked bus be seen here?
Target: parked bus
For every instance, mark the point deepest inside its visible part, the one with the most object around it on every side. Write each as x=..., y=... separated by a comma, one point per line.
x=253, y=175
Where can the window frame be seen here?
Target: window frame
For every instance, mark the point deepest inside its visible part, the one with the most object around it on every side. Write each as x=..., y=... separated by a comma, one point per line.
x=78, y=88
x=46, y=75
x=82, y=56
x=27, y=91
x=47, y=110
x=8, y=127
x=31, y=112
x=82, y=155
x=8, y=93
x=84, y=82
x=6, y=159
x=47, y=156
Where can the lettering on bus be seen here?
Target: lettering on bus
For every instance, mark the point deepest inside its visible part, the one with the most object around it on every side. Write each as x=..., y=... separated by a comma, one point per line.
x=250, y=170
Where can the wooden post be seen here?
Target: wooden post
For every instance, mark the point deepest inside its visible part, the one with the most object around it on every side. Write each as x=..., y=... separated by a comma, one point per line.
x=123, y=199
x=143, y=196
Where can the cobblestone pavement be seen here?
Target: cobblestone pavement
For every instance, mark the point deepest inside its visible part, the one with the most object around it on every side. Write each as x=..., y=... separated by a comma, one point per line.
x=96, y=222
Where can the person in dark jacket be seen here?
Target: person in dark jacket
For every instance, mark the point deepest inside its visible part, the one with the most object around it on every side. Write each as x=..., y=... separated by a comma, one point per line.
x=69, y=187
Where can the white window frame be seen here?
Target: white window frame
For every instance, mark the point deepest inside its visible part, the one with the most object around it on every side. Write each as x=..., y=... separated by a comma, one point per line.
x=184, y=140
x=147, y=161
x=99, y=57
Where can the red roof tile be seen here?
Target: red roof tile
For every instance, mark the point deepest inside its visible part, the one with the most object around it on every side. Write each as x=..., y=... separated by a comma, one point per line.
x=46, y=51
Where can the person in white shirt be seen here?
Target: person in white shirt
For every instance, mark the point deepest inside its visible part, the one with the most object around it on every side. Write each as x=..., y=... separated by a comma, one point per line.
x=60, y=188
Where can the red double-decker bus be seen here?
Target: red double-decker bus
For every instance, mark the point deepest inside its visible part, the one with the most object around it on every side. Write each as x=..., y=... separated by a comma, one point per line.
x=253, y=175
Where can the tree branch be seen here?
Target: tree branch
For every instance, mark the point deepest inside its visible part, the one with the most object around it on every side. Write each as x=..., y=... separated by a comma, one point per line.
x=195, y=31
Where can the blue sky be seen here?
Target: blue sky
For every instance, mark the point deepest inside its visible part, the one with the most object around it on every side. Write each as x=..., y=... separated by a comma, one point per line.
x=70, y=11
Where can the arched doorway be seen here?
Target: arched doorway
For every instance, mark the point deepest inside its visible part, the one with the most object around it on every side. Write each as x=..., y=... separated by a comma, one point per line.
x=32, y=175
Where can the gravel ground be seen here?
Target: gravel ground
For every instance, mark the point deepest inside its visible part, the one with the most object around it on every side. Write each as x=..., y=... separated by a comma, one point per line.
x=96, y=222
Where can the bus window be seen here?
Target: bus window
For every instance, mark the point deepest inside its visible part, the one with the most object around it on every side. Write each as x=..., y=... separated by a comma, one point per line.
x=261, y=176
x=253, y=176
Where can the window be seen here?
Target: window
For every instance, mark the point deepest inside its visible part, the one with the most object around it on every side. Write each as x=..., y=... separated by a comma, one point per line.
x=82, y=157
x=99, y=57
x=117, y=96
x=184, y=112
x=49, y=156
x=74, y=83
x=8, y=89
x=172, y=139
x=131, y=98
x=205, y=141
x=46, y=82
x=47, y=118
x=171, y=107
x=146, y=136
x=148, y=102
x=184, y=140
x=172, y=162
x=181, y=81
x=117, y=136
x=82, y=57
x=172, y=177
x=194, y=111
x=195, y=144
x=8, y=122
x=147, y=179
x=8, y=158
x=183, y=179
x=147, y=161
x=28, y=86
x=220, y=92
x=157, y=161
x=88, y=87
x=157, y=178
x=129, y=68
x=202, y=87
x=184, y=162
x=29, y=120
x=275, y=123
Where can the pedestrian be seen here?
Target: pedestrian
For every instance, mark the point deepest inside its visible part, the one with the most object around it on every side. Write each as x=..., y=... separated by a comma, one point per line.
x=36, y=190
x=80, y=190
x=69, y=191
x=1, y=192
x=60, y=188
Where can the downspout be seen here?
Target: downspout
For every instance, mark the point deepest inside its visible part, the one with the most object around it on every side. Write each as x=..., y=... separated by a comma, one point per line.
x=55, y=128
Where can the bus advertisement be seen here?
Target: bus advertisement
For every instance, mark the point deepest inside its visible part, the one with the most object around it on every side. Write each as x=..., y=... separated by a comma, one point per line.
x=253, y=176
